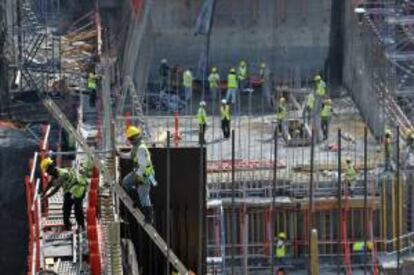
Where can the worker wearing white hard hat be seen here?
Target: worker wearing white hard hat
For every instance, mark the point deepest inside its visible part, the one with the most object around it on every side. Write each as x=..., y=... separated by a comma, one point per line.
x=225, y=118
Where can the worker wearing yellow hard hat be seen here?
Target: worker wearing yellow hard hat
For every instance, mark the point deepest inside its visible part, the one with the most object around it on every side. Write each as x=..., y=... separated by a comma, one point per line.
x=142, y=177
x=280, y=251
x=232, y=86
x=74, y=187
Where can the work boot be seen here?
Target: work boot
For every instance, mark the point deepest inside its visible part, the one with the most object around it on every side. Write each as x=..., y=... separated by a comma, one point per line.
x=147, y=211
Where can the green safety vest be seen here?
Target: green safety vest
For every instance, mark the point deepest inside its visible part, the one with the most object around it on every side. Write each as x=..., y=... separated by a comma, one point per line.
x=232, y=81
x=280, y=251
x=187, y=80
x=310, y=103
x=242, y=73
x=358, y=246
x=225, y=112
x=326, y=111
x=388, y=146
x=281, y=112
x=350, y=174
x=73, y=182
x=201, y=116
x=149, y=170
x=214, y=80
x=92, y=81
x=321, y=88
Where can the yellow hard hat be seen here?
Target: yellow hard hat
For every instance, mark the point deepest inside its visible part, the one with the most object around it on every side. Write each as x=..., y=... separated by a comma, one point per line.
x=369, y=245
x=242, y=62
x=282, y=99
x=317, y=77
x=133, y=131
x=45, y=164
x=214, y=69
x=232, y=70
x=282, y=235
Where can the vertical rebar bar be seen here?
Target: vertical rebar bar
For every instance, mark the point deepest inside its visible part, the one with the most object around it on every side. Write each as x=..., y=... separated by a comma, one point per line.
x=201, y=213
x=167, y=204
x=338, y=262
x=233, y=211
x=365, y=199
x=311, y=192
x=272, y=234
x=398, y=199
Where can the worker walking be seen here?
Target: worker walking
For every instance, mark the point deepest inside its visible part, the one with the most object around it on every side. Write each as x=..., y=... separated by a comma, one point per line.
x=320, y=91
x=280, y=251
x=308, y=110
x=350, y=176
x=388, y=151
x=142, y=177
x=326, y=114
x=188, y=85
x=281, y=115
x=214, y=83
x=74, y=188
x=202, y=122
x=164, y=71
x=242, y=75
x=232, y=85
x=92, y=85
x=225, y=118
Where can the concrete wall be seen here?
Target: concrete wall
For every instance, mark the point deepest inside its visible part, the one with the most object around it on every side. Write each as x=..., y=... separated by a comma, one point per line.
x=287, y=34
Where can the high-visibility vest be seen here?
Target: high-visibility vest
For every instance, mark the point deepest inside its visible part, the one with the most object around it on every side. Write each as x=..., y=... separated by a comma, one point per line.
x=149, y=168
x=358, y=246
x=321, y=88
x=225, y=112
x=214, y=80
x=281, y=111
x=201, y=116
x=242, y=72
x=350, y=174
x=280, y=249
x=232, y=81
x=326, y=111
x=73, y=183
x=187, y=80
x=92, y=81
x=388, y=146
x=310, y=102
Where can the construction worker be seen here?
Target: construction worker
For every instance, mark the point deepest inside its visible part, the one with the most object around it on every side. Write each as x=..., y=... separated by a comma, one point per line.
x=262, y=72
x=326, y=114
x=232, y=85
x=308, y=110
x=92, y=85
x=74, y=188
x=214, y=83
x=225, y=118
x=388, y=150
x=164, y=71
x=202, y=122
x=350, y=175
x=320, y=91
x=409, y=145
x=188, y=85
x=242, y=75
x=281, y=115
x=358, y=249
x=280, y=251
x=142, y=177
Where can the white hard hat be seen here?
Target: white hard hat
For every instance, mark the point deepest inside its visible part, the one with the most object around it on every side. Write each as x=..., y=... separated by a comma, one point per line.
x=224, y=101
x=187, y=72
x=163, y=60
x=203, y=103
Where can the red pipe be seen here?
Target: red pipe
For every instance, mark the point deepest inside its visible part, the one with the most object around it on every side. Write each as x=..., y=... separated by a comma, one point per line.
x=29, y=222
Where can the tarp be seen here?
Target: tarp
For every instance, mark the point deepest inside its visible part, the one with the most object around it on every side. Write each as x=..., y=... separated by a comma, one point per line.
x=204, y=19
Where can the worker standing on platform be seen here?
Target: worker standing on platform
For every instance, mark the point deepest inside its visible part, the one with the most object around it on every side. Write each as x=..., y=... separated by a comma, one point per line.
x=164, y=71
x=350, y=176
x=320, y=91
x=92, y=86
x=202, y=122
x=409, y=145
x=188, y=85
x=214, y=83
x=242, y=75
x=388, y=150
x=280, y=251
x=232, y=85
x=262, y=72
x=142, y=177
x=358, y=249
x=281, y=115
x=326, y=114
x=225, y=118
x=74, y=188
x=308, y=110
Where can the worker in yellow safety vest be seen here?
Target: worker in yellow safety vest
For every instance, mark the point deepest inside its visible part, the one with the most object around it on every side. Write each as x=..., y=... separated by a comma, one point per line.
x=74, y=187
x=358, y=249
x=350, y=175
x=388, y=143
x=202, y=122
x=326, y=114
x=280, y=251
x=242, y=75
x=232, y=86
x=308, y=110
x=225, y=118
x=142, y=177
x=188, y=85
x=281, y=115
x=92, y=86
x=320, y=92
x=214, y=83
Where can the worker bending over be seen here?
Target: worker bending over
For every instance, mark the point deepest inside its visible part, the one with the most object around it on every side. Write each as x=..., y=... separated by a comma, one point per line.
x=350, y=176
x=214, y=83
x=280, y=251
x=142, y=177
x=326, y=114
x=225, y=118
x=74, y=188
x=281, y=115
x=202, y=122
x=232, y=86
x=388, y=151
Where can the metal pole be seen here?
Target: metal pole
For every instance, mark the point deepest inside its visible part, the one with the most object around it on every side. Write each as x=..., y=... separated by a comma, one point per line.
x=233, y=211
x=365, y=199
x=311, y=193
x=398, y=200
x=167, y=205
x=338, y=262
x=201, y=215
x=272, y=233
